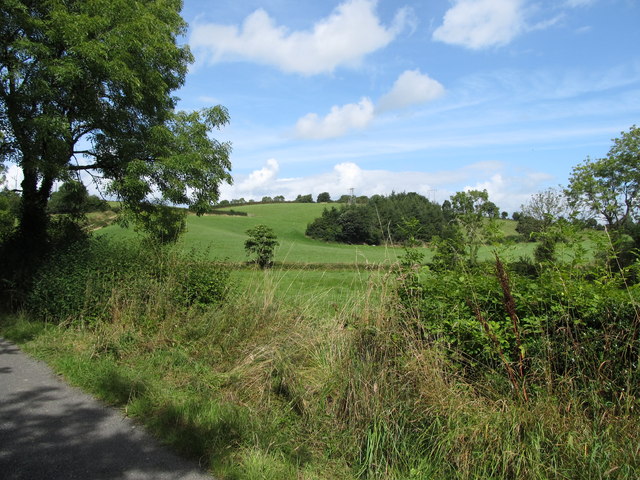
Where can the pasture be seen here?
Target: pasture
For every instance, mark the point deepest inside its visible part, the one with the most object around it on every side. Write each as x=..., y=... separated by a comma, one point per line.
x=222, y=237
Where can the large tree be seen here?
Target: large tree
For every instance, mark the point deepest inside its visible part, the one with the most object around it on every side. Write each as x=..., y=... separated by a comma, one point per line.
x=609, y=187
x=86, y=86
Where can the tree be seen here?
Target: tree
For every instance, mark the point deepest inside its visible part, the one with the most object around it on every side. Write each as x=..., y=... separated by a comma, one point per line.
x=278, y=198
x=86, y=86
x=546, y=206
x=9, y=203
x=610, y=187
x=304, y=198
x=490, y=209
x=470, y=209
x=72, y=199
x=528, y=226
x=537, y=216
x=262, y=242
x=267, y=200
x=323, y=197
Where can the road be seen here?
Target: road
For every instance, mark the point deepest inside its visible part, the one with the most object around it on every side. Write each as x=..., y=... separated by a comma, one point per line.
x=49, y=430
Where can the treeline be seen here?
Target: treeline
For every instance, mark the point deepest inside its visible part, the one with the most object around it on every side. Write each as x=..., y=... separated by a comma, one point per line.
x=395, y=219
x=324, y=197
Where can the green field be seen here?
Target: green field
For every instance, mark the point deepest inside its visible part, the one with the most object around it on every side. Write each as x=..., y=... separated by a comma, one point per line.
x=223, y=237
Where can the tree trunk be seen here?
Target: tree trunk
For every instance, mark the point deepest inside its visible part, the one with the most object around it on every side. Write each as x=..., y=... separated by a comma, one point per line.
x=33, y=217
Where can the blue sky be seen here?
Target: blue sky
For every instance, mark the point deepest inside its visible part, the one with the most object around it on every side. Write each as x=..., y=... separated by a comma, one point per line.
x=433, y=96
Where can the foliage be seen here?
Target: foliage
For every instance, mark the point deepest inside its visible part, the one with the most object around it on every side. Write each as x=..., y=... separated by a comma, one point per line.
x=537, y=219
x=546, y=207
x=82, y=282
x=201, y=281
x=610, y=187
x=262, y=243
x=379, y=219
x=304, y=198
x=357, y=225
x=323, y=197
x=474, y=215
x=349, y=224
x=94, y=81
x=536, y=329
x=231, y=213
x=73, y=199
x=528, y=226
x=9, y=204
x=160, y=224
x=412, y=254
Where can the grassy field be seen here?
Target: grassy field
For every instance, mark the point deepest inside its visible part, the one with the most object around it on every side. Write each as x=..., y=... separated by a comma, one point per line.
x=223, y=237
x=315, y=369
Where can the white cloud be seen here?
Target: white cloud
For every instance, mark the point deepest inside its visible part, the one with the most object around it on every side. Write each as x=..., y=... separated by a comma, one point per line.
x=411, y=88
x=262, y=177
x=338, y=122
x=352, y=31
x=478, y=24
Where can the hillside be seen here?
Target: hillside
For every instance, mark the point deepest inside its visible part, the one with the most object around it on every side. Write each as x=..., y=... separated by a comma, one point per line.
x=224, y=236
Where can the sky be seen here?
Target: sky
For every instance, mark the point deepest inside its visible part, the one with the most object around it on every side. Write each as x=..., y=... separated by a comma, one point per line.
x=427, y=96
x=431, y=96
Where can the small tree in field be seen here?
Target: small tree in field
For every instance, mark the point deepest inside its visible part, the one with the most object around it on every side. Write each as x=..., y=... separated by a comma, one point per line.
x=262, y=242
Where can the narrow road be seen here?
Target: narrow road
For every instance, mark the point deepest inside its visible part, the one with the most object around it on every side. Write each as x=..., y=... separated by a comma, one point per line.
x=49, y=430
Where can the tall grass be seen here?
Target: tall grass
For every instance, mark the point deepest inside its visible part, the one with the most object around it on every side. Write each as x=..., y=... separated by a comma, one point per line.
x=264, y=384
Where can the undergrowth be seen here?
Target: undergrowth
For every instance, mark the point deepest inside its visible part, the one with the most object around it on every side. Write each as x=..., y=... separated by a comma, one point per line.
x=404, y=381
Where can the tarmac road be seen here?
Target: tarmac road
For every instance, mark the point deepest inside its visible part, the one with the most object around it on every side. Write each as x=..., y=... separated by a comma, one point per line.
x=51, y=431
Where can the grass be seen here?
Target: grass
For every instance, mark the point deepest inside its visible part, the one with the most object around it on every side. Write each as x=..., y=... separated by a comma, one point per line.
x=223, y=237
x=268, y=386
x=324, y=291
x=314, y=370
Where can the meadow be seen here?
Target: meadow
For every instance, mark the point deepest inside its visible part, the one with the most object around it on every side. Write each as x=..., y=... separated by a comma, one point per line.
x=222, y=237
x=344, y=368
x=305, y=269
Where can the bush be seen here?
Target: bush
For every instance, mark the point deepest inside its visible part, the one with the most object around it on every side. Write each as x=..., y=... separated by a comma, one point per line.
x=262, y=243
x=202, y=282
x=556, y=326
x=83, y=281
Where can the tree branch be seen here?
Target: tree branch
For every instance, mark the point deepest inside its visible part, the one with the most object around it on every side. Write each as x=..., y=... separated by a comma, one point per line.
x=77, y=168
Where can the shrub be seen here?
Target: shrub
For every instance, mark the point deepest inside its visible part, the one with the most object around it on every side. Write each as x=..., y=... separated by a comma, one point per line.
x=262, y=243
x=202, y=282
x=83, y=281
x=551, y=324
